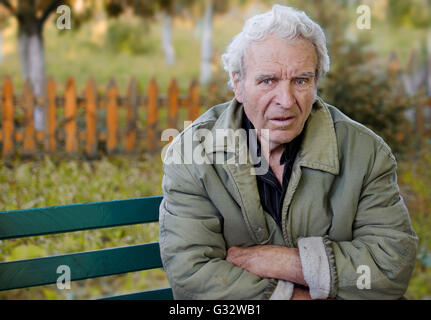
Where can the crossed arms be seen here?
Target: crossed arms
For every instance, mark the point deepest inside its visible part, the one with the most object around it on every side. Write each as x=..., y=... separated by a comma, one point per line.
x=270, y=261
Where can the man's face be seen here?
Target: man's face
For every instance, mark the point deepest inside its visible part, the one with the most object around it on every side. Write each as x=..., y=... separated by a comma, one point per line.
x=279, y=86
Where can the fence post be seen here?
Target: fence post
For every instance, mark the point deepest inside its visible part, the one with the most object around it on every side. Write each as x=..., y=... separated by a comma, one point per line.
x=70, y=111
x=51, y=116
x=152, y=115
x=193, y=107
x=112, y=117
x=8, y=126
x=212, y=93
x=90, y=118
x=173, y=94
x=132, y=103
x=29, y=132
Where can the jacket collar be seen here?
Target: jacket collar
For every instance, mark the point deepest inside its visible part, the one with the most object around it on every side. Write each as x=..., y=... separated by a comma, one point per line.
x=318, y=150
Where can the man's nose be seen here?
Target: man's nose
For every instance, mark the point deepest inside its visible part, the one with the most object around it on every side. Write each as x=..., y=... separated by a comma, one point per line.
x=285, y=97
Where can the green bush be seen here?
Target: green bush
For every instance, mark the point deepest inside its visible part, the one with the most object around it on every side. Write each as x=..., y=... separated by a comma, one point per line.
x=374, y=99
x=415, y=184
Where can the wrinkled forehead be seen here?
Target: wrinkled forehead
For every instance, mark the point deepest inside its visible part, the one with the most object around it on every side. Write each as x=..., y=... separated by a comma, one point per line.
x=276, y=54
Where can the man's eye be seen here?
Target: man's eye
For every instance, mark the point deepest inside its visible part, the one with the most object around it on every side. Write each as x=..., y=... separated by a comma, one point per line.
x=301, y=81
x=267, y=81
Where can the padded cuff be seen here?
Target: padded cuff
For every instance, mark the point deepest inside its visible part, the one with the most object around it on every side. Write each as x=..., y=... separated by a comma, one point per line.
x=283, y=291
x=315, y=266
x=332, y=266
x=269, y=290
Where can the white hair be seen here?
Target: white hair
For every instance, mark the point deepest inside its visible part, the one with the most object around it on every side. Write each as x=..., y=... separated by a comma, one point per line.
x=285, y=22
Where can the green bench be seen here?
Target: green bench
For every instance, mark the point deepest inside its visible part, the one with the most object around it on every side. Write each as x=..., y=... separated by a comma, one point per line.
x=83, y=265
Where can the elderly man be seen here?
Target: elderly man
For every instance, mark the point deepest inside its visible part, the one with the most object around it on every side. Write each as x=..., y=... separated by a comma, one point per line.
x=325, y=220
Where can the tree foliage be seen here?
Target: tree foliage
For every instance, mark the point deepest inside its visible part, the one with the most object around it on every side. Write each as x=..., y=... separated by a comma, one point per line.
x=147, y=9
x=412, y=13
x=32, y=15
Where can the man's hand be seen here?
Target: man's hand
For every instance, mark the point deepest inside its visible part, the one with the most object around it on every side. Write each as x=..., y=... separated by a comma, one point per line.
x=300, y=294
x=269, y=261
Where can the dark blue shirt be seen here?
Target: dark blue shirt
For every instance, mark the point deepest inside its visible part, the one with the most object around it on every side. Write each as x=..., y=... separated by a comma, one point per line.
x=271, y=192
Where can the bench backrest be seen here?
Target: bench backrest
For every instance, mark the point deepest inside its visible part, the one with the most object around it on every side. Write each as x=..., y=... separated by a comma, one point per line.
x=89, y=264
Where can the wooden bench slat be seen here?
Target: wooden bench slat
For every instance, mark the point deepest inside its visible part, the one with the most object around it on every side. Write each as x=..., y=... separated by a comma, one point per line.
x=157, y=294
x=83, y=265
x=75, y=217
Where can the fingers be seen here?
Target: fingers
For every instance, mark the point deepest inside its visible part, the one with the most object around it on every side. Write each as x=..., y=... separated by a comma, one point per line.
x=234, y=254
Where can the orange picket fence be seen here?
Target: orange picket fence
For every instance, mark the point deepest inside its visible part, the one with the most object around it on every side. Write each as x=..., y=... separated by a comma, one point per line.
x=93, y=123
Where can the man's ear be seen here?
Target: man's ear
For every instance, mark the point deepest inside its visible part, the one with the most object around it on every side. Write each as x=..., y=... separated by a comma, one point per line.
x=237, y=87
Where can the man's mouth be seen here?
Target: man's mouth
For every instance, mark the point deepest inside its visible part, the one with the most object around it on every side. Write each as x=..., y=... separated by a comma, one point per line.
x=282, y=120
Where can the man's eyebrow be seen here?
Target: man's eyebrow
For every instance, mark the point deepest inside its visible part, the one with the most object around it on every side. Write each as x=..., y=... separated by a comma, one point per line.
x=306, y=75
x=265, y=76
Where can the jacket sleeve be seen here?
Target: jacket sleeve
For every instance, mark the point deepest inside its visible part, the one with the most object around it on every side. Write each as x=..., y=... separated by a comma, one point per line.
x=378, y=262
x=192, y=246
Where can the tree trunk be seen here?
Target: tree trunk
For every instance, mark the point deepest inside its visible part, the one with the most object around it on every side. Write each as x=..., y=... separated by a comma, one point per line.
x=168, y=47
x=33, y=64
x=206, y=50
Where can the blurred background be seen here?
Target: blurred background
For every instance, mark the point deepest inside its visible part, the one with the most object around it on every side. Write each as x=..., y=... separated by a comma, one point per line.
x=87, y=87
